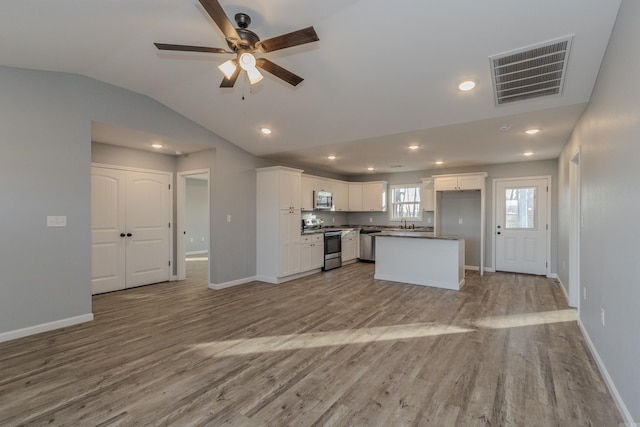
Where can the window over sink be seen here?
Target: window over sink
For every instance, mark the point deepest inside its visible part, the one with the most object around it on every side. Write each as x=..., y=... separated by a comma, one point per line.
x=405, y=202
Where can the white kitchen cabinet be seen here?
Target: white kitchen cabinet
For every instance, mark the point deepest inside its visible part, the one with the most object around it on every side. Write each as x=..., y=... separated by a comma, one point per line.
x=368, y=196
x=350, y=241
x=374, y=196
x=290, y=239
x=278, y=224
x=340, y=190
x=312, y=252
x=288, y=188
x=309, y=184
x=427, y=196
x=355, y=196
x=459, y=182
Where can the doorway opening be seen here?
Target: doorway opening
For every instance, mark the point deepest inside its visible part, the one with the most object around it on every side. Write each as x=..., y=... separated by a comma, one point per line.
x=193, y=225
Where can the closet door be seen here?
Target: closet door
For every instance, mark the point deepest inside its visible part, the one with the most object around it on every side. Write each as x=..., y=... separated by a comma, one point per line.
x=147, y=222
x=107, y=225
x=129, y=229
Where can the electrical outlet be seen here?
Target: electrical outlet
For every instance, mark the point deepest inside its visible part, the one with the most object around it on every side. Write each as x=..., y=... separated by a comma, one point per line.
x=428, y=220
x=370, y=219
x=333, y=219
x=228, y=218
x=602, y=316
x=460, y=221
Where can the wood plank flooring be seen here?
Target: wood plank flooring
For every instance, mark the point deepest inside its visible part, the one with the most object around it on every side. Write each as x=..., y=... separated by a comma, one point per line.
x=333, y=349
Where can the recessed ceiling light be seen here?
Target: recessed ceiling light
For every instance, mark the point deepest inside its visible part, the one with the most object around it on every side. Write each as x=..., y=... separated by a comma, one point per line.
x=504, y=127
x=266, y=131
x=532, y=131
x=528, y=153
x=156, y=145
x=331, y=157
x=439, y=162
x=369, y=168
x=413, y=147
x=467, y=85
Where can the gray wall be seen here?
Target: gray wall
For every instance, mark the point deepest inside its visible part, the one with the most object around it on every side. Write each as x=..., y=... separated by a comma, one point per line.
x=506, y=170
x=45, y=129
x=609, y=133
x=196, y=216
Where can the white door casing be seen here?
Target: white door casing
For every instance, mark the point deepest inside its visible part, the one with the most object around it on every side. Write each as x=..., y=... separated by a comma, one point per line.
x=130, y=228
x=521, y=225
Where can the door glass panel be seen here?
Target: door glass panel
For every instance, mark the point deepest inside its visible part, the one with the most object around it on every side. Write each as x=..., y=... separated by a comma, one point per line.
x=520, y=208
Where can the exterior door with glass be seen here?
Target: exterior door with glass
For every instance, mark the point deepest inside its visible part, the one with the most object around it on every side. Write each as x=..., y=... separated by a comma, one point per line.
x=521, y=225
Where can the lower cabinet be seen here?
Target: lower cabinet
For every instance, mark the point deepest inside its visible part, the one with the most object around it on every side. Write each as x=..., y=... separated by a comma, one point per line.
x=350, y=242
x=312, y=252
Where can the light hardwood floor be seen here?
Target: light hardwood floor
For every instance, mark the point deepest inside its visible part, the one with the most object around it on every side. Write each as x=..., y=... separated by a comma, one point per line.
x=336, y=348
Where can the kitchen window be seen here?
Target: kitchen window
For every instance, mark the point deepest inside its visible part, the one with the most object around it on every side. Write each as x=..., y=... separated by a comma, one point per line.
x=405, y=202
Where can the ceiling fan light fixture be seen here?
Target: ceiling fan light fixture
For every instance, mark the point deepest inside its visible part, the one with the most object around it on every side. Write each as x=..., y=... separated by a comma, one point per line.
x=228, y=68
x=247, y=61
x=254, y=75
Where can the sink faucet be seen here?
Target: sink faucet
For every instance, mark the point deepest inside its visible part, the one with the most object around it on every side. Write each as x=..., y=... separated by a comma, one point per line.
x=405, y=223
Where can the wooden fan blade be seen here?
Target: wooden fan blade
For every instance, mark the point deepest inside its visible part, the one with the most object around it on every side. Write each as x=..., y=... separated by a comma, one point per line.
x=295, y=38
x=278, y=71
x=186, y=48
x=216, y=12
x=230, y=82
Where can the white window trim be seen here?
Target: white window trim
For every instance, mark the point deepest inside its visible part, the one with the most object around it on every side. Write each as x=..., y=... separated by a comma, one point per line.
x=392, y=187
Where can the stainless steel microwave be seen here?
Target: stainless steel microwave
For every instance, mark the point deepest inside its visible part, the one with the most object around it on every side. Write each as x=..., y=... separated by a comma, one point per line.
x=322, y=200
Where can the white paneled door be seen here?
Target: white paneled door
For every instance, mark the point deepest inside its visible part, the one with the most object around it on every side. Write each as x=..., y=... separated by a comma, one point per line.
x=522, y=225
x=130, y=228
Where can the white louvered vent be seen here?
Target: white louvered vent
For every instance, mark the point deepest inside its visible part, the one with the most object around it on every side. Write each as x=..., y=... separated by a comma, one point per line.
x=531, y=72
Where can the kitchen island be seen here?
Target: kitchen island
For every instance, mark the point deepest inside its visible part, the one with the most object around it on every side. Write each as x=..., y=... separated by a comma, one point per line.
x=420, y=258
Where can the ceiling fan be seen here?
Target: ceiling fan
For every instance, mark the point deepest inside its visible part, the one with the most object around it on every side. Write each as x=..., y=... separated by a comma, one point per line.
x=244, y=43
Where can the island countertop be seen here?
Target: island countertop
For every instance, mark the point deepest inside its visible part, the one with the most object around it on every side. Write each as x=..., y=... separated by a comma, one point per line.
x=416, y=235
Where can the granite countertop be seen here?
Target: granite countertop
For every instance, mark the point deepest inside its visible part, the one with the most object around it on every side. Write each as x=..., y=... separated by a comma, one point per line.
x=416, y=235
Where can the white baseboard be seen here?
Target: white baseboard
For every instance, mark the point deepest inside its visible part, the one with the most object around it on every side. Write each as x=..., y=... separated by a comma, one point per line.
x=472, y=267
x=45, y=327
x=218, y=286
x=196, y=252
x=564, y=291
x=489, y=270
x=624, y=411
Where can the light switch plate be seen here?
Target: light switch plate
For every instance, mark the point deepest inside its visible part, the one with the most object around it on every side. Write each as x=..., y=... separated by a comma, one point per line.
x=56, y=221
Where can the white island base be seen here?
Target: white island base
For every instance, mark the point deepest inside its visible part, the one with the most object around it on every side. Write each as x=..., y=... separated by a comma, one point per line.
x=427, y=261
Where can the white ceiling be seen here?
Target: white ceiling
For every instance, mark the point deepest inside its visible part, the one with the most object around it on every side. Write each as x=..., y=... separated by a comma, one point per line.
x=383, y=76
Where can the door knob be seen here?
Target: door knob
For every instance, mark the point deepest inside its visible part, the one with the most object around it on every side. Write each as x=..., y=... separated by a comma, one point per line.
x=129, y=234
x=122, y=234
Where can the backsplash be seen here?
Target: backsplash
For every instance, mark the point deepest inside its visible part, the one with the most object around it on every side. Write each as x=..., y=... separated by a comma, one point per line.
x=362, y=218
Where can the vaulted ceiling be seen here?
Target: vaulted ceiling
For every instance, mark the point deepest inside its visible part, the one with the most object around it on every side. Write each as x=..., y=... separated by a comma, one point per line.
x=382, y=77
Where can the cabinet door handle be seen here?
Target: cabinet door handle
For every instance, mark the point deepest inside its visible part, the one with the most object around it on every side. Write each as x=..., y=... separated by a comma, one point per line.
x=122, y=234
x=129, y=234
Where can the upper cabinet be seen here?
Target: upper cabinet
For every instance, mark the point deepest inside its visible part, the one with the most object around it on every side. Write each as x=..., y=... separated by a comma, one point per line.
x=355, y=196
x=374, y=196
x=427, y=197
x=347, y=196
x=472, y=181
x=340, y=192
x=290, y=181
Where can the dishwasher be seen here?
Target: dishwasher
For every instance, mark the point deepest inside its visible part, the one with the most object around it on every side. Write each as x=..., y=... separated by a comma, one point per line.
x=368, y=245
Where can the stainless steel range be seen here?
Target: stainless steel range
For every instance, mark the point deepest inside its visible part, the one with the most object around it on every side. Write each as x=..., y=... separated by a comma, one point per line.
x=332, y=249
